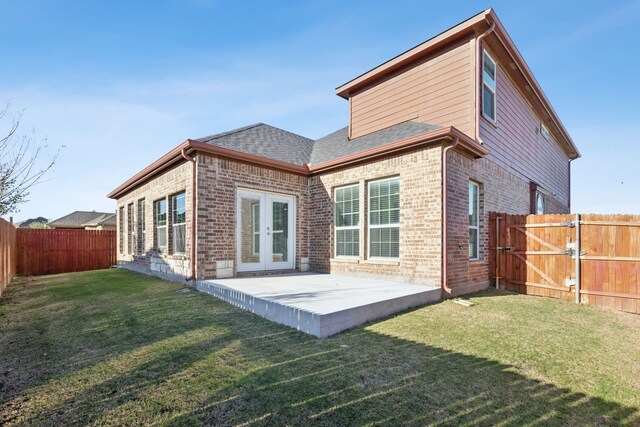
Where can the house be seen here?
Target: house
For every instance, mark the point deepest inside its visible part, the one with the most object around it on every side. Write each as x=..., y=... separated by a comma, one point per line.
x=39, y=222
x=437, y=138
x=85, y=220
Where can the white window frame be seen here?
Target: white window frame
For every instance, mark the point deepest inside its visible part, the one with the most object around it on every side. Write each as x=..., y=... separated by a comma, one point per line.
x=142, y=219
x=131, y=230
x=545, y=132
x=121, y=232
x=493, y=90
x=178, y=224
x=539, y=201
x=344, y=228
x=273, y=234
x=159, y=228
x=390, y=225
x=477, y=226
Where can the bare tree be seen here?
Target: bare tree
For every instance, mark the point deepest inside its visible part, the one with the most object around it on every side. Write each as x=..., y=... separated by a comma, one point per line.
x=21, y=164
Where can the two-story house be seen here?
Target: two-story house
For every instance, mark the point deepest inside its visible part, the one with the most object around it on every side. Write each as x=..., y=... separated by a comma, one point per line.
x=437, y=137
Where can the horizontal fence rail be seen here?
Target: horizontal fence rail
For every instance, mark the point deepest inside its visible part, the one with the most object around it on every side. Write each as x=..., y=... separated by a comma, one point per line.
x=8, y=248
x=589, y=258
x=51, y=251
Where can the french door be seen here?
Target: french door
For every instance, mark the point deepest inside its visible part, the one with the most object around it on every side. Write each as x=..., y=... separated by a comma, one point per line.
x=265, y=231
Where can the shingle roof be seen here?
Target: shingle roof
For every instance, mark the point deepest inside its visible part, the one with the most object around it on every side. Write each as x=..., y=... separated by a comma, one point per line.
x=108, y=219
x=337, y=144
x=277, y=144
x=279, y=148
x=80, y=219
x=265, y=141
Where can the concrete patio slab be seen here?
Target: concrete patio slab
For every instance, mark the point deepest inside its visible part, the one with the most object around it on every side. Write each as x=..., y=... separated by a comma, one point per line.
x=319, y=304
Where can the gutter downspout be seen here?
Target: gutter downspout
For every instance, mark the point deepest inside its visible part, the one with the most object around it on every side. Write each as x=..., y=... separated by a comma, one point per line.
x=478, y=73
x=194, y=213
x=444, y=251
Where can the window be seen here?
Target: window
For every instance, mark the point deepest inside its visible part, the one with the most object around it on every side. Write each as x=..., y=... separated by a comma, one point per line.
x=255, y=228
x=539, y=204
x=179, y=222
x=384, y=218
x=474, y=220
x=280, y=223
x=544, y=131
x=347, y=220
x=488, y=87
x=121, y=229
x=160, y=208
x=141, y=226
x=131, y=245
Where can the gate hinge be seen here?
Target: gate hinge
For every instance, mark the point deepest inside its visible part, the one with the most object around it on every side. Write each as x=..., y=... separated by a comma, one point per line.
x=568, y=224
x=505, y=248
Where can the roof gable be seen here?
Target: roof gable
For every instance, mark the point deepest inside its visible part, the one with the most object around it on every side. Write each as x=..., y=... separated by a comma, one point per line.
x=498, y=39
x=265, y=141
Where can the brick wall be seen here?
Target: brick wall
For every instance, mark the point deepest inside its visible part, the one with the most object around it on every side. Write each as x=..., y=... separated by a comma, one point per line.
x=420, y=217
x=147, y=257
x=218, y=181
x=419, y=173
x=500, y=191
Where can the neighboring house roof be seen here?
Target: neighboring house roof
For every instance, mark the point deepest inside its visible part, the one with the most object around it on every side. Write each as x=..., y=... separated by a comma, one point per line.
x=337, y=144
x=26, y=223
x=265, y=141
x=81, y=219
x=103, y=220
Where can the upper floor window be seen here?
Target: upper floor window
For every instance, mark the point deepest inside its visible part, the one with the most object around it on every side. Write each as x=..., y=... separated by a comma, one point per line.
x=474, y=220
x=384, y=218
x=544, y=131
x=488, y=86
x=179, y=222
x=347, y=220
x=539, y=204
x=160, y=208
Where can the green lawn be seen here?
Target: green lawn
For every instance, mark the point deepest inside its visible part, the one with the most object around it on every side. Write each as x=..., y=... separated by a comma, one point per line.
x=114, y=347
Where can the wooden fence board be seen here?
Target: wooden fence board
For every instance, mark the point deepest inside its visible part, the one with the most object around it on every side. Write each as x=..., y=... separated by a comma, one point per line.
x=8, y=259
x=609, y=266
x=52, y=251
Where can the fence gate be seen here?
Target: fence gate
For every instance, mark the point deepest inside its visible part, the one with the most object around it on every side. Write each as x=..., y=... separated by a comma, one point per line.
x=593, y=259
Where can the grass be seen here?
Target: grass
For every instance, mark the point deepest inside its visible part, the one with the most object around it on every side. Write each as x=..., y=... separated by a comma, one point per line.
x=117, y=348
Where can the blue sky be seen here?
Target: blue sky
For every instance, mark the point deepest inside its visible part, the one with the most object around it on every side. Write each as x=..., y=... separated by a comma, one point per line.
x=121, y=83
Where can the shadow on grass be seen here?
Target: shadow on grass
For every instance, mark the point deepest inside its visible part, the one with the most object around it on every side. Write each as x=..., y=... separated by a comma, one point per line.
x=360, y=377
x=55, y=328
x=222, y=366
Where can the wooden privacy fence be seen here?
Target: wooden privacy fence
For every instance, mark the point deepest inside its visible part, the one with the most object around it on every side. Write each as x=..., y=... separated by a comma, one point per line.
x=592, y=259
x=51, y=251
x=8, y=260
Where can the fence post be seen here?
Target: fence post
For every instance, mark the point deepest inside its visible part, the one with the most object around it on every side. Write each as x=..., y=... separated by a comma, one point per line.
x=577, y=249
x=497, y=242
